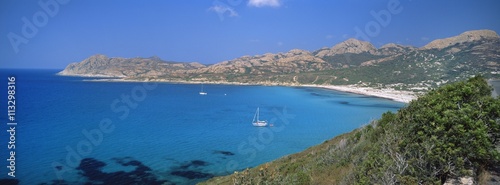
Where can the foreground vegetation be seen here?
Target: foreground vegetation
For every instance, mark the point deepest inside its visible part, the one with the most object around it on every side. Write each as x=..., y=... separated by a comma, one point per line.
x=450, y=132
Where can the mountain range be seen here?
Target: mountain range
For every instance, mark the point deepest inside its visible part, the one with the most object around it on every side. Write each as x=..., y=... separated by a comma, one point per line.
x=351, y=62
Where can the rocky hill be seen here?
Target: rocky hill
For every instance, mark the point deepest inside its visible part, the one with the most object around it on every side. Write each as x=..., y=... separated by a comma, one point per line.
x=349, y=62
x=469, y=36
x=101, y=65
x=349, y=46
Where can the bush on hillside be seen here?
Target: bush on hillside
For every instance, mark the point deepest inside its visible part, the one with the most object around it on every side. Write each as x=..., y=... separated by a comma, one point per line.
x=445, y=133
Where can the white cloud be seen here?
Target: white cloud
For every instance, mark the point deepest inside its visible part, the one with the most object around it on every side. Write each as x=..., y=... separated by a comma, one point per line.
x=329, y=37
x=262, y=3
x=425, y=38
x=280, y=43
x=221, y=10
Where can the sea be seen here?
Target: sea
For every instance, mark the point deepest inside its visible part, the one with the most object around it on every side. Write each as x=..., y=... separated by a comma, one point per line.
x=81, y=130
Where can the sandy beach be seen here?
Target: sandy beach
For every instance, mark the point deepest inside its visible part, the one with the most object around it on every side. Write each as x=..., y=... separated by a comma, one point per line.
x=400, y=96
x=396, y=95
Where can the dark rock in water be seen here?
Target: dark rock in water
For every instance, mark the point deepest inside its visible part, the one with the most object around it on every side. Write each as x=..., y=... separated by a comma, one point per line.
x=193, y=163
x=344, y=102
x=319, y=95
x=91, y=169
x=122, y=160
x=199, y=163
x=90, y=163
x=227, y=153
x=133, y=163
x=126, y=161
x=57, y=182
x=9, y=181
x=192, y=174
x=59, y=168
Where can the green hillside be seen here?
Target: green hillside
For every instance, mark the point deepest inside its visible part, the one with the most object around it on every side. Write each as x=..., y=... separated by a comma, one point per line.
x=449, y=132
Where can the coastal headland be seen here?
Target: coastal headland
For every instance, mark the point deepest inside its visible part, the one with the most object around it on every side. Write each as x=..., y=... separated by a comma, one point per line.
x=392, y=71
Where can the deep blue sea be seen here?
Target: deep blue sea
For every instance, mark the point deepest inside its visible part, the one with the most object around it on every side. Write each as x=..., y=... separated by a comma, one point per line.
x=73, y=130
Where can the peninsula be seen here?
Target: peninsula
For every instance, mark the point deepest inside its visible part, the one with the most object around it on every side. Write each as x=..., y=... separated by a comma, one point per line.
x=392, y=71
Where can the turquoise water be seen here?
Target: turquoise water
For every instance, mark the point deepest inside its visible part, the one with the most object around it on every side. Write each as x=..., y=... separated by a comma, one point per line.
x=77, y=131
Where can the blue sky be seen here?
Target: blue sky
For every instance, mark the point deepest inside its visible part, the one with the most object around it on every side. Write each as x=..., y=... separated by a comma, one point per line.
x=210, y=31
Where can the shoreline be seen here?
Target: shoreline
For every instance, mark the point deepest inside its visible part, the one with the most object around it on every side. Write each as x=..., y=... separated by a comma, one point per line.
x=391, y=94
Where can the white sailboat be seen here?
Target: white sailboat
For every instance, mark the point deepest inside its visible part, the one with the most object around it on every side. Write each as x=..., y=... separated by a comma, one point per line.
x=256, y=122
x=202, y=92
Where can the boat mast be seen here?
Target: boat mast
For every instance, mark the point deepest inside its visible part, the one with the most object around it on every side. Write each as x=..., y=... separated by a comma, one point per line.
x=257, y=114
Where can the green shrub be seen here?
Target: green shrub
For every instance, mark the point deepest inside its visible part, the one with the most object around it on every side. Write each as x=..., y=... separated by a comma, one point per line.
x=443, y=134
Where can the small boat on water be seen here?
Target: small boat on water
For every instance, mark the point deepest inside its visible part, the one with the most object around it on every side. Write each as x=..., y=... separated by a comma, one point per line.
x=256, y=122
x=202, y=92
